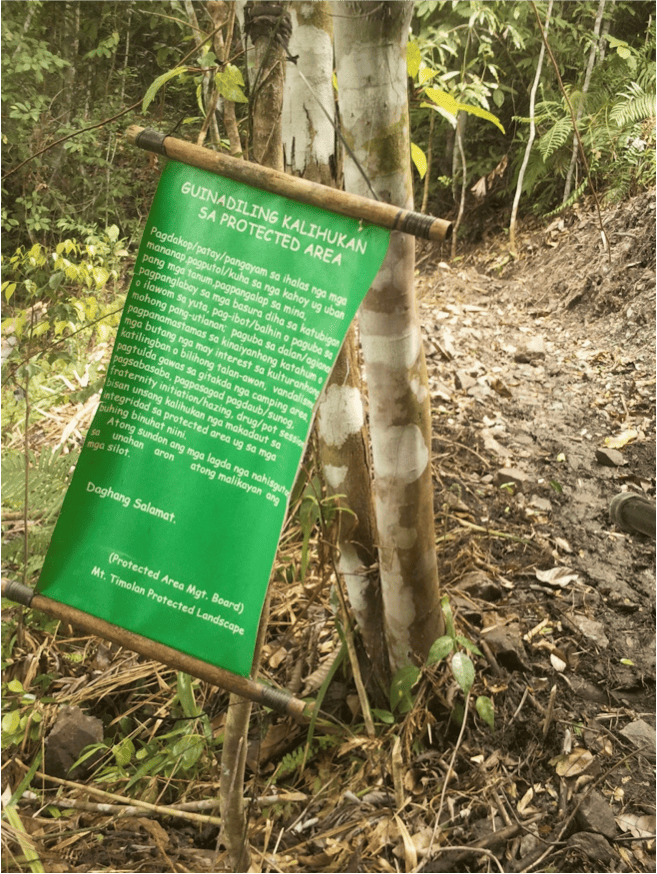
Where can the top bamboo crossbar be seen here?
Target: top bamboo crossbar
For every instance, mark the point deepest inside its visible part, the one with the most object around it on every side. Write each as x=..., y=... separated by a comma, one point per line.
x=375, y=212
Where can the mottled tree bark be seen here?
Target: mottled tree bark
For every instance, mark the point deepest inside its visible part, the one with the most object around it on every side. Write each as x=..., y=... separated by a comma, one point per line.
x=309, y=146
x=370, y=47
x=308, y=135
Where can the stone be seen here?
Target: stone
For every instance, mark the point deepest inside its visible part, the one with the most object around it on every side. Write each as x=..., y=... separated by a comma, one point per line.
x=532, y=349
x=73, y=731
x=642, y=735
x=595, y=815
x=479, y=585
x=595, y=846
x=610, y=457
x=463, y=380
x=514, y=475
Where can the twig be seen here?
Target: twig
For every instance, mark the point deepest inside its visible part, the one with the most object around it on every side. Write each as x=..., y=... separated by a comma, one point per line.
x=69, y=137
x=548, y=712
x=111, y=796
x=26, y=455
x=491, y=531
x=449, y=771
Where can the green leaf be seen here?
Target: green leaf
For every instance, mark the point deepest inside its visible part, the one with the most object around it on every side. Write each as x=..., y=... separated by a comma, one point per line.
x=123, y=752
x=186, y=696
x=425, y=74
x=188, y=748
x=9, y=288
x=158, y=83
x=451, y=105
x=486, y=710
x=419, y=159
x=440, y=649
x=400, y=688
x=209, y=59
x=482, y=113
x=15, y=685
x=229, y=84
x=100, y=276
x=463, y=671
x=413, y=58
x=449, y=618
x=11, y=721
x=443, y=99
x=383, y=716
x=467, y=644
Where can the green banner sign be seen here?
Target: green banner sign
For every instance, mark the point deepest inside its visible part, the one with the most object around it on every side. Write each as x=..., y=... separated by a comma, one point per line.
x=238, y=306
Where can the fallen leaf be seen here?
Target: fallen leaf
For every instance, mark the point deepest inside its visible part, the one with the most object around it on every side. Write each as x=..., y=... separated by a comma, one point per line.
x=410, y=853
x=557, y=663
x=640, y=826
x=557, y=576
x=621, y=439
x=574, y=764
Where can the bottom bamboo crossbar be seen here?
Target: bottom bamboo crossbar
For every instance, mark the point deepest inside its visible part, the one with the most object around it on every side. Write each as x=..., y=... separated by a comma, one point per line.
x=278, y=699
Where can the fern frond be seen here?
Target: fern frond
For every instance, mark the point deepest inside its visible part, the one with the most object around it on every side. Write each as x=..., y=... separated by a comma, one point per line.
x=571, y=200
x=633, y=109
x=48, y=475
x=553, y=139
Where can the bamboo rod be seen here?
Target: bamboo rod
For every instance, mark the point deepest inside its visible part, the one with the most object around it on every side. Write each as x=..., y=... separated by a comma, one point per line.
x=385, y=215
x=278, y=699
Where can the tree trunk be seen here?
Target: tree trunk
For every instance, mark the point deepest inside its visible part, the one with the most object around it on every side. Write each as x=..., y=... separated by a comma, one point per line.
x=308, y=135
x=530, y=141
x=209, y=100
x=344, y=454
x=309, y=145
x=370, y=43
x=268, y=27
x=595, y=48
x=267, y=149
x=459, y=136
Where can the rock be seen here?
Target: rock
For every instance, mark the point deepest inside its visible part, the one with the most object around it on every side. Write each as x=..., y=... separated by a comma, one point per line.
x=514, y=475
x=463, y=380
x=641, y=735
x=479, y=585
x=542, y=504
x=532, y=349
x=505, y=642
x=595, y=815
x=595, y=631
x=610, y=457
x=491, y=445
x=595, y=846
x=72, y=732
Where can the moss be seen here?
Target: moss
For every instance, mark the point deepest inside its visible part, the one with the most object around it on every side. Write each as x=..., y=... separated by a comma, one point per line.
x=314, y=15
x=390, y=147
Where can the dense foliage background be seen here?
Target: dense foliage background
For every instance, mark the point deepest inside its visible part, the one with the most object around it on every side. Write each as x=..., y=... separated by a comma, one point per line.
x=67, y=66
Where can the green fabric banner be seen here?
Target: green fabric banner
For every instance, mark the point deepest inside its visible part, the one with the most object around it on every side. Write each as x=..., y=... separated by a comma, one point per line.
x=238, y=306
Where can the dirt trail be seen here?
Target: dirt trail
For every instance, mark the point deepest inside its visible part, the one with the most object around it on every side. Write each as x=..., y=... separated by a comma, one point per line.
x=542, y=374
